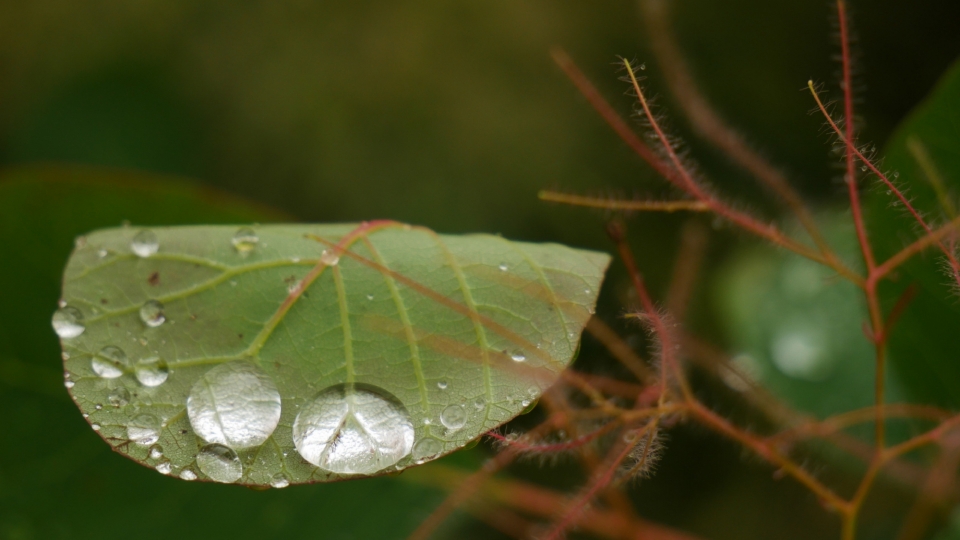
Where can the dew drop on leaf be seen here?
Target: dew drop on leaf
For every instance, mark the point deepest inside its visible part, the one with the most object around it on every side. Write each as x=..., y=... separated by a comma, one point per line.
x=145, y=243
x=119, y=396
x=244, y=240
x=220, y=463
x=144, y=429
x=151, y=313
x=426, y=448
x=188, y=475
x=279, y=481
x=156, y=452
x=164, y=467
x=234, y=404
x=68, y=322
x=518, y=356
x=453, y=417
x=502, y=267
x=479, y=403
x=349, y=430
x=152, y=371
x=109, y=362
x=442, y=384
x=329, y=257
x=95, y=426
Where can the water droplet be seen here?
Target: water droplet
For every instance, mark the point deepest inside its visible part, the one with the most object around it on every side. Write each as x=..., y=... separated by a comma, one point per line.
x=503, y=267
x=98, y=406
x=156, y=451
x=896, y=174
x=329, y=257
x=69, y=384
x=643, y=67
x=244, y=240
x=95, y=426
x=80, y=242
x=533, y=391
x=442, y=384
x=152, y=371
x=293, y=287
x=145, y=243
x=369, y=297
x=164, y=468
x=151, y=313
x=453, y=417
x=279, y=481
x=349, y=430
x=109, y=362
x=220, y=463
x=68, y=322
x=102, y=253
x=518, y=356
x=629, y=436
x=479, y=403
x=427, y=422
x=425, y=449
x=144, y=429
x=234, y=404
x=864, y=168
x=188, y=475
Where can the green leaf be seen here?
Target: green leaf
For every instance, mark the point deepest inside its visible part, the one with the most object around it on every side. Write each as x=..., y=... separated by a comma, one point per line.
x=925, y=153
x=309, y=353
x=57, y=477
x=797, y=329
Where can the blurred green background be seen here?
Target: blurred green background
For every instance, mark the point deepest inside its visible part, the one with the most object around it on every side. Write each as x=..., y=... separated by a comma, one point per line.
x=445, y=114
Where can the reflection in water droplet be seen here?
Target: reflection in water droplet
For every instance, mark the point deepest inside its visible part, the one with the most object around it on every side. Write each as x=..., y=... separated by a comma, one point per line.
x=144, y=429
x=220, y=463
x=234, y=404
x=329, y=257
x=152, y=371
x=518, y=356
x=425, y=449
x=353, y=431
x=156, y=451
x=151, y=313
x=188, y=475
x=145, y=243
x=119, y=396
x=109, y=362
x=245, y=240
x=453, y=417
x=442, y=384
x=164, y=468
x=279, y=481
x=68, y=322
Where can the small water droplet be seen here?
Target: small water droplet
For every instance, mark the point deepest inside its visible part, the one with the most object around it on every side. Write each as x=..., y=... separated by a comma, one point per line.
x=349, y=430
x=518, y=356
x=896, y=174
x=188, y=475
x=293, y=287
x=864, y=168
x=533, y=391
x=442, y=384
x=69, y=384
x=98, y=406
x=102, y=253
x=427, y=421
x=502, y=267
x=329, y=257
x=144, y=430
x=220, y=463
x=479, y=403
x=244, y=240
x=279, y=481
x=643, y=67
x=109, y=362
x=156, y=451
x=234, y=404
x=68, y=322
x=164, y=467
x=369, y=297
x=426, y=448
x=80, y=242
x=152, y=371
x=151, y=313
x=453, y=417
x=95, y=426
x=145, y=243
x=233, y=283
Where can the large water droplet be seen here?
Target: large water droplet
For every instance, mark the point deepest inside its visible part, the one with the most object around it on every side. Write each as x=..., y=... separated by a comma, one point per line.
x=453, y=417
x=329, y=257
x=110, y=362
x=68, y=322
x=349, y=430
x=144, y=429
x=151, y=313
x=119, y=396
x=245, y=240
x=235, y=404
x=426, y=448
x=220, y=463
x=145, y=243
x=152, y=371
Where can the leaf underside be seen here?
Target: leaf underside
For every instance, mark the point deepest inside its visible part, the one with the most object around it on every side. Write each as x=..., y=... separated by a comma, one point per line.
x=458, y=333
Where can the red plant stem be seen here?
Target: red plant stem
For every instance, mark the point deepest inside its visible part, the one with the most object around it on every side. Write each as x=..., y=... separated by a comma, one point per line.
x=557, y=447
